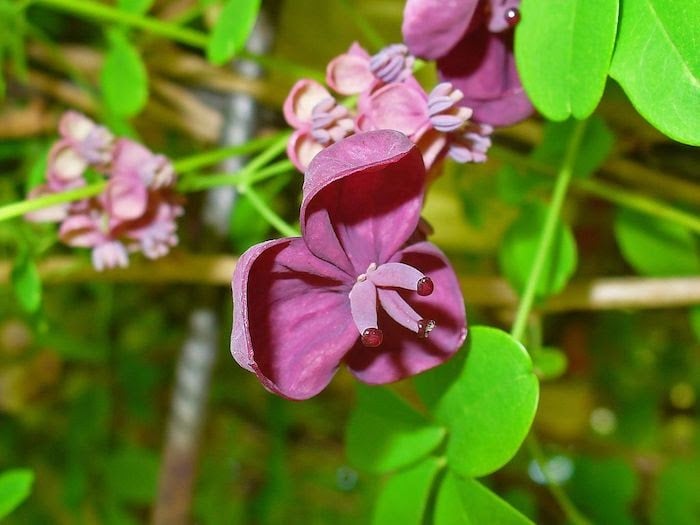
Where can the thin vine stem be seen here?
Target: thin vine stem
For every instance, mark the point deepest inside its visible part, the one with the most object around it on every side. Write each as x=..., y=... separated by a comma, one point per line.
x=268, y=213
x=195, y=162
x=607, y=191
x=545, y=243
x=527, y=300
x=17, y=209
x=105, y=13
x=238, y=178
x=563, y=500
x=369, y=32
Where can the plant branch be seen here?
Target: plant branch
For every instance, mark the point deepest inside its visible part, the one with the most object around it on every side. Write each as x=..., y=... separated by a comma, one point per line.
x=605, y=190
x=17, y=209
x=527, y=300
x=208, y=158
x=545, y=244
x=268, y=213
x=105, y=13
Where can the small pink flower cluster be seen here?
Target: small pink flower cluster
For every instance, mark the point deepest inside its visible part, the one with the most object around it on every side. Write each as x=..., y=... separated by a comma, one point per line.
x=136, y=211
x=389, y=97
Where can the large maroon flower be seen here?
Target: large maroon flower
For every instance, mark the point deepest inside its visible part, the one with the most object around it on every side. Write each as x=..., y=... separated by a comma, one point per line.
x=353, y=288
x=472, y=41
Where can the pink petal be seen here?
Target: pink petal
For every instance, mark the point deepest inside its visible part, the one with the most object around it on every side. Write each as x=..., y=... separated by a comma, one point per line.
x=432, y=27
x=349, y=74
x=396, y=106
x=125, y=197
x=292, y=323
x=302, y=98
x=432, y=145
x=75, y=126
x=65, y=166
x=402, y=352
x=302, y=148
x=82, y=231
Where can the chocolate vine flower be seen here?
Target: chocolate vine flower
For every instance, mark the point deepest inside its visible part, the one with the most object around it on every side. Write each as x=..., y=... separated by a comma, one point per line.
x=472, y=41
x=357, y=72
x=318, y=120
x=138, y=209
x=354, y=288
x=434, y=121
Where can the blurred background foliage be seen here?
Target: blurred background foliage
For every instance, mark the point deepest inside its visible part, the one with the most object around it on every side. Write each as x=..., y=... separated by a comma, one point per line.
x=87, y=367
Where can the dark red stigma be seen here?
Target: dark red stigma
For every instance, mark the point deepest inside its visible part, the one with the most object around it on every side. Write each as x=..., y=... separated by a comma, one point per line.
x=425, y=326
x=372, y=337
x=425, y=286
x=512, y=17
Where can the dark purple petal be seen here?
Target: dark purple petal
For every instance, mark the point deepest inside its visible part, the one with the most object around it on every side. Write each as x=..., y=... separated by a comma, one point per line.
x=362, y=199
x=482, y=66
x=432, y=27
x=402, y=353
x=292, y=324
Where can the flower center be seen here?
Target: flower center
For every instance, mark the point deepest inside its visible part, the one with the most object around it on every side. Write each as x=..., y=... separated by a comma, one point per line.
x=444, y=113
x=377, y=287
x=392, y=64
x=330, y=122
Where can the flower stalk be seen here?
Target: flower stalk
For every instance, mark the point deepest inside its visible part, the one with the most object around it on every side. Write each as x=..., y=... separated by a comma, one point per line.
x=528, y=298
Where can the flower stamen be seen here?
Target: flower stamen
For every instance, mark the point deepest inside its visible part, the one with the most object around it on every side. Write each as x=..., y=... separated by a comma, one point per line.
x=377, y=286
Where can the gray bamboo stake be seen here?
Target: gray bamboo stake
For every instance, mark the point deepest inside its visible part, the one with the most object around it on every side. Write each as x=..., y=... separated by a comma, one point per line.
x=198, y=356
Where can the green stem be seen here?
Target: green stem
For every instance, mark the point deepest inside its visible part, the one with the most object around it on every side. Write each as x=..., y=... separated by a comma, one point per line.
x=527, y=300
x=105, y=13
x=17, y=209
x=281, y=65
x=371, y=34
x=239, y=178
x=545, y=244
x=208, y=158
x=604, y=190
x=639, y=202
x=572, y=513
x=267, y=213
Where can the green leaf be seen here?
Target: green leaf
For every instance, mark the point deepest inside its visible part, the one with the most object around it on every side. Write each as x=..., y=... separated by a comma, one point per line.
x=695, y=321
x=514, y=186
x=404, y=497
x=596, y=144
x=657, y=63
x=549, y=363
x=563, y=50
x=135, y=6
x=384, y=433
x=656, y=247
x=26, y=282
x=517, y=252
x=232, y=29
x=487, y=397
x=466, y=501
x=604, y=489
x=124, y=79
x=37, y=172
x=131, y=475
x=676, y=496
x=15, y=487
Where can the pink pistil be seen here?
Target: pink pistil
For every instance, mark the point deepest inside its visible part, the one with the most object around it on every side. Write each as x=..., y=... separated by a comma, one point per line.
x=378, y=286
